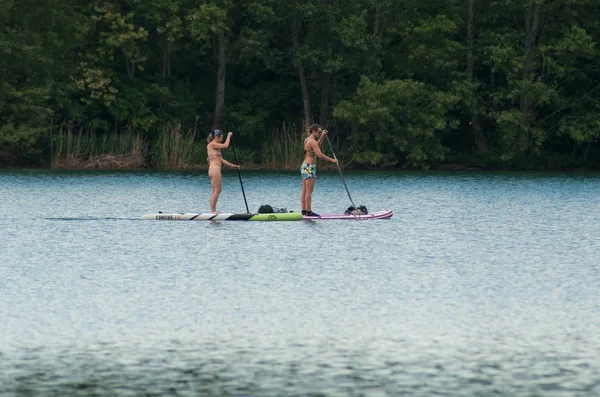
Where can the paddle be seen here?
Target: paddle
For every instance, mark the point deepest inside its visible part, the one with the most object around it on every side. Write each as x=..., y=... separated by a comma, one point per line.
x=340, y=170
x=240, y=176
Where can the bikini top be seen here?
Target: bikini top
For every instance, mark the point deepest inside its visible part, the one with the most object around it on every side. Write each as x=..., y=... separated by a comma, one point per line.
x=309, y=151
x=215, y=155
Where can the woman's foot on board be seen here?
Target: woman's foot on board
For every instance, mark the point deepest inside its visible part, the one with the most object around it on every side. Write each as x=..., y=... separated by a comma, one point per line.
x=310, y=213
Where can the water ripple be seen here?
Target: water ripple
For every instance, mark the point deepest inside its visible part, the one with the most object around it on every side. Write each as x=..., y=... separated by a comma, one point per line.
x=481, y=284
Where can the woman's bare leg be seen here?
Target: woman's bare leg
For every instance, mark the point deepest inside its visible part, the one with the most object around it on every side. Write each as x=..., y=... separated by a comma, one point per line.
x=216, y=182
x=303, y=195
x=309, y=186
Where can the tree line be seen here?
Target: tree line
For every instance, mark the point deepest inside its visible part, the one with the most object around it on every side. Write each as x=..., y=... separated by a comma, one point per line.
x=512, y=84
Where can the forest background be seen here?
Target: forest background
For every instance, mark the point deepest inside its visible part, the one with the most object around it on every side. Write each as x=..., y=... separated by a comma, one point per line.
x=486, y=84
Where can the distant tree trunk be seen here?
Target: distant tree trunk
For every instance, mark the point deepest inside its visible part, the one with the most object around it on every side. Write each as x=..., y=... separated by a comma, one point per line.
x=219, y=40
x=587, y=149
x=325, y=91
x=532, y=23
x=166, y=67
x=470, y=30
x=305, y=97
x=301, y=76
x=169, y=59
x=377, y=21
x=130, y=68
x=478, y=135
x=164, y=64
x=166, y=70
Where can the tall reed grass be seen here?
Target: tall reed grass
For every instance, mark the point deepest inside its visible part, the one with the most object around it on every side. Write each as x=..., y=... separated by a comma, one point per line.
x=283, y=148
x=171, y=148
x=176, y=149
x=85, y=149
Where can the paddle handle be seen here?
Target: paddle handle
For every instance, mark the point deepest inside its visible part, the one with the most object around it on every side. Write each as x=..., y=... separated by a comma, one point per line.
x=340, y=170
x=240, y=177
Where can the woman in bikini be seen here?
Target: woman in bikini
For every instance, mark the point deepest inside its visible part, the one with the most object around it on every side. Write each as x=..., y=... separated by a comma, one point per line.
x=308, y=170
x=215, y=161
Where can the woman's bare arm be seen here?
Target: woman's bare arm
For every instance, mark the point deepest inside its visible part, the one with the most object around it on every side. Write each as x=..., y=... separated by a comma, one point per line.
x=322, y=136
x=223, y=161
x=320, y=154
x=223, y=145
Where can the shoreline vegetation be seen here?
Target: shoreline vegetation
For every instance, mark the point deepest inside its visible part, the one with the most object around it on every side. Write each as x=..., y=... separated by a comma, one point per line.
x=408, y=85
x=177, y=149
x=172, y=149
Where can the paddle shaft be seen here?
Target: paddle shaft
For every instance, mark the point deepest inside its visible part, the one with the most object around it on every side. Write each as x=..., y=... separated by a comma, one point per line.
x=340, y=170
x=240, y=176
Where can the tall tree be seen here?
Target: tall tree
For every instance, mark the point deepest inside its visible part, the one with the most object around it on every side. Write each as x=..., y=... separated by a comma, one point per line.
x=529, y=45
x=330, y=40
x=227, y=27
x=399, y=121
x=37, y=40
x=478, y=135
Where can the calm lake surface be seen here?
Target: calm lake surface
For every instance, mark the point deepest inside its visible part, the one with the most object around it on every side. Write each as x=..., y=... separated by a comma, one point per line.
x=482, y=284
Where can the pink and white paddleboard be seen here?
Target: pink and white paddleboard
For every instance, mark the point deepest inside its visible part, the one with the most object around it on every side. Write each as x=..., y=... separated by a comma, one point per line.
x=373, y=215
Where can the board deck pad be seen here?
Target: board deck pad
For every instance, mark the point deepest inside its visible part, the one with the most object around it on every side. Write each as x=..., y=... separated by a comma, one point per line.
x=373, y=215
x=278, y=216
x=193, y=216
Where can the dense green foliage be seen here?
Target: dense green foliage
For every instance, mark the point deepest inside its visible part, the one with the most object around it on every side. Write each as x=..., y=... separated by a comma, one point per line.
x=484, y=83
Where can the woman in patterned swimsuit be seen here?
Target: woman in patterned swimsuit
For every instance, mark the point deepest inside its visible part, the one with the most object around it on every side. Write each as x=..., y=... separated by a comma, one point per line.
x=308, y=170
x=215, y=161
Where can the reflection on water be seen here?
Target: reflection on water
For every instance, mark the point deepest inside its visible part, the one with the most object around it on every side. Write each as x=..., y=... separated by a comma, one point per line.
x=481, y=284
x=333, y=367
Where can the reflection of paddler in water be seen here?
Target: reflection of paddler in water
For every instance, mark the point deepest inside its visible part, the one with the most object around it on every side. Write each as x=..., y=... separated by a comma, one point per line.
x=308, y=170
x=215, y=162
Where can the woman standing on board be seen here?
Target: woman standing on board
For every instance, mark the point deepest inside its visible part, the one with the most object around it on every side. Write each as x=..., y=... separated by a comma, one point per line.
x=308, y=170
x=215, y=161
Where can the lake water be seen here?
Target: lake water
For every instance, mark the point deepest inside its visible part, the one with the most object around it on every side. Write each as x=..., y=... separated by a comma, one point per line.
x=481, y=284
